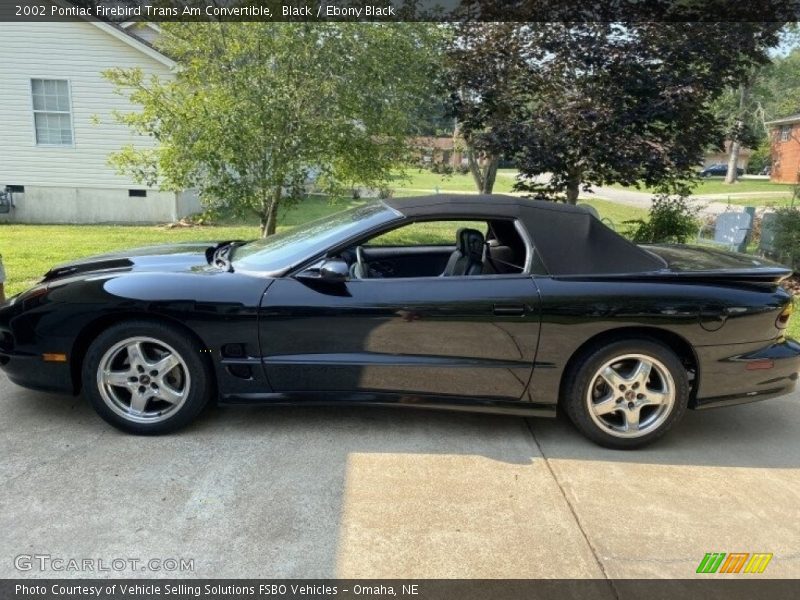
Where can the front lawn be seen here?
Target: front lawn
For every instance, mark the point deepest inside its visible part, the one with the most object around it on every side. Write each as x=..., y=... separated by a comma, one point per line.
x=429, y=182
x=717, y=185
x=766, y=201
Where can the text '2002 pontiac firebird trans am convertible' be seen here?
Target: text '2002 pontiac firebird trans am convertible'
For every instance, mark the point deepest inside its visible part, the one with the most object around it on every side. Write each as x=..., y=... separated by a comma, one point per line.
x=533, y=307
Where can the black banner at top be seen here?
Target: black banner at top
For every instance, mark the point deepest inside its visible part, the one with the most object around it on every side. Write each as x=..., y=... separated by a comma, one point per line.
x=402, y=10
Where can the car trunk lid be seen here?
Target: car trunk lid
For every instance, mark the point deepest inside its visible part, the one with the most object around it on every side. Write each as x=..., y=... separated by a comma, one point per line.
x=708, y=263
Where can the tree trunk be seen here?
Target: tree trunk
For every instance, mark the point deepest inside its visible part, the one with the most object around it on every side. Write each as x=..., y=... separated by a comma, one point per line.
x=733, y=159
x=573, y=186
x=269, y=216
x=733, y=162
x=474, y=168
x=490, y=174
x=484, y=176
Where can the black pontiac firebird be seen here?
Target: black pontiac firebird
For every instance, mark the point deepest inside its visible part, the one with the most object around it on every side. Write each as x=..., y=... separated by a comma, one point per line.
x=532, y=306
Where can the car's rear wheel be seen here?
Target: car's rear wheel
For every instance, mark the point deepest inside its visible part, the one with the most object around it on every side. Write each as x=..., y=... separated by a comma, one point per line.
x=146, y=377
x=626, y=394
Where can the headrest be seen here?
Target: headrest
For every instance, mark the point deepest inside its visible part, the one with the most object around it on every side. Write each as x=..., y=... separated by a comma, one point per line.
x=470, y=243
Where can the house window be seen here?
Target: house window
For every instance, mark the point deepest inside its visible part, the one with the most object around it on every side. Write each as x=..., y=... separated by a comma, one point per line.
x=786, y=132
x=52, y=117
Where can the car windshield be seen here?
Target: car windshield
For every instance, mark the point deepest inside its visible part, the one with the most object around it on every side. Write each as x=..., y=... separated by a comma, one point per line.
x=283, y=250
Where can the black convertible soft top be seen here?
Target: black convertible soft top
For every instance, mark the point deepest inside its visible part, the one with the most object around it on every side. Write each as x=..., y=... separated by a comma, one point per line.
x=569, y=239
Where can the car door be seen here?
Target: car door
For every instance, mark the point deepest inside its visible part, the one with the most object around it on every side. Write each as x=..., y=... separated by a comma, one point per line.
x=458, y=336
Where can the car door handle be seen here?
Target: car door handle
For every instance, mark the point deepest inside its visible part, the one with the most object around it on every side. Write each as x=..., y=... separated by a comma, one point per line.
x=509, y=310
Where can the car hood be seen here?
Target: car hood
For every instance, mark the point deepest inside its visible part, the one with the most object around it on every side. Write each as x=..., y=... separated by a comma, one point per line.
x=169, y=257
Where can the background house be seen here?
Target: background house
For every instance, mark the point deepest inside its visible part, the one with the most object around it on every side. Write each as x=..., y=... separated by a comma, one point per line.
x=57, y=128
x=784, y=138
x=440, y=150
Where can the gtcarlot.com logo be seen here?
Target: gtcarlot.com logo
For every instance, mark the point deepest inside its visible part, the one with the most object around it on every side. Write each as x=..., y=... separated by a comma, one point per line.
x=60, y=564
x=734, y=562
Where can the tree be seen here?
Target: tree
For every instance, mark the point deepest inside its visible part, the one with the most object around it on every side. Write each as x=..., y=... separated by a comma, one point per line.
x=596, y=102
x=769, y=91
x=257, y=110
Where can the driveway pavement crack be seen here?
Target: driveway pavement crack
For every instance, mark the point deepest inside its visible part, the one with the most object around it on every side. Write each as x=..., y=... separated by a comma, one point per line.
x=572, y=510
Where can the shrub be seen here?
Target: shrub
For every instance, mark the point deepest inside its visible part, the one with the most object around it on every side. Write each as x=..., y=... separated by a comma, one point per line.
x=672, y=220
x=787, y=236
x=441, y=168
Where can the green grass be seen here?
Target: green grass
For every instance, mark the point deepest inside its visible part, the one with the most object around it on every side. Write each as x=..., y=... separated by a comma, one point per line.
x=429, y=182
x=716, y=185
x=617, y=213
x=767, y=201
x=794, y=326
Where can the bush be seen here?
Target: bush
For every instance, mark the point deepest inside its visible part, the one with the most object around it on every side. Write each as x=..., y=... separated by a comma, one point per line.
x=787, y=236
x=671, y=220
x=441, y=168
x=760, y=158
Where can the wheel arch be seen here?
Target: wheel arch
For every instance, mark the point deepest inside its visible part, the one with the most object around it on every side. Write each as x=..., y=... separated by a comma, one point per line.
x=94, y=328
x=675, y=342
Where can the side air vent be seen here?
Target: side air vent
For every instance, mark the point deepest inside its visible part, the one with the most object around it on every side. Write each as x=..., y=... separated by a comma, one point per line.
x=241, y=371
x=234, y=351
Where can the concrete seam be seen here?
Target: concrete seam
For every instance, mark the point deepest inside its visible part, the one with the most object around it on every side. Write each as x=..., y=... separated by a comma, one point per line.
x=572, y=510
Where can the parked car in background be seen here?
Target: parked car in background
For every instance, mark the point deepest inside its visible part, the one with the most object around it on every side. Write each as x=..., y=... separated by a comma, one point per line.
x=719, y=170
x=766, y=170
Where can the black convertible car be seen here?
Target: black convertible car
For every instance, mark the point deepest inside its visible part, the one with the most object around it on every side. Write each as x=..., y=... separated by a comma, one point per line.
x=524, y=308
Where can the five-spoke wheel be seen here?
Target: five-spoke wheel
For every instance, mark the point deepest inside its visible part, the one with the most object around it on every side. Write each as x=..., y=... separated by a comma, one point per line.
x=143, y=379
x=627, y=393
x=146, y=377
x=631, y=395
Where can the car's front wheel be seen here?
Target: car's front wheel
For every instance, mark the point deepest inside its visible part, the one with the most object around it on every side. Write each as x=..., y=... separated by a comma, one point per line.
x=146, y=377
x=626, y=394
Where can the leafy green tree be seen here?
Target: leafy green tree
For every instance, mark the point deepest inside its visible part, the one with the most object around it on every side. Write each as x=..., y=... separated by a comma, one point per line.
x=257, y=110
x=596, y=102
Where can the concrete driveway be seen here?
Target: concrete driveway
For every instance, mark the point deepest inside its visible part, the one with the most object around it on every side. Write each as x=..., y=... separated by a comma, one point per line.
x=345, y=492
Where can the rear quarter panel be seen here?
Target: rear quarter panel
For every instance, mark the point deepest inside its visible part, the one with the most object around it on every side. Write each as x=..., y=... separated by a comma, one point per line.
x=717, y=320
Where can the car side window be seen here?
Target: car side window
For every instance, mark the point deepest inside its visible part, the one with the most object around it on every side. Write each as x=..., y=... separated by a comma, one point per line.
x=426, y=233
x=441, y=248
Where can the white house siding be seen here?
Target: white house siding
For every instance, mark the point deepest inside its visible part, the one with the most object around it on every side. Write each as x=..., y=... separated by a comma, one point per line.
x=72, y=183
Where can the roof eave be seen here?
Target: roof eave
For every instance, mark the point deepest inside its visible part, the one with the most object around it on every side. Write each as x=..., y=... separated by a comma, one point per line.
x=122, y=35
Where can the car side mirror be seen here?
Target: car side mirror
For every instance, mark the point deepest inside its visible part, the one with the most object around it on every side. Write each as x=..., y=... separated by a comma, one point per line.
x=332, y=270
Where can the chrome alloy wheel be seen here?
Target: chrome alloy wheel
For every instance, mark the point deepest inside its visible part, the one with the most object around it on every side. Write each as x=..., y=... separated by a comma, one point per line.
x=631, y=395
x=143, y=379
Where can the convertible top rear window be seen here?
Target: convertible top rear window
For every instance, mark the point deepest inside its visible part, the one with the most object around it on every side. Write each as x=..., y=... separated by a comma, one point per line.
x=286, y=249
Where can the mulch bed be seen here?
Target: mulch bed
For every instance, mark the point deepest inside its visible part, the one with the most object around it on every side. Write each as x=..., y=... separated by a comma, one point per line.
x=793, y=284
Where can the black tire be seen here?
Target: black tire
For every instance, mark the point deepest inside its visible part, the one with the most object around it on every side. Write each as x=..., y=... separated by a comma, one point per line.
x=198, y=383
x=604, y=430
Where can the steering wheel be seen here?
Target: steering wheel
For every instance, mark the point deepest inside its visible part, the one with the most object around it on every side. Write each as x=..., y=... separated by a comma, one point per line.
x=362, y=268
